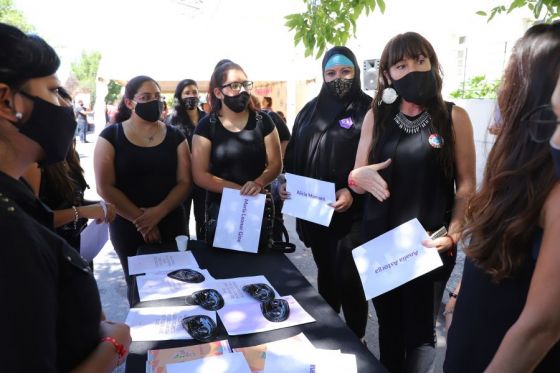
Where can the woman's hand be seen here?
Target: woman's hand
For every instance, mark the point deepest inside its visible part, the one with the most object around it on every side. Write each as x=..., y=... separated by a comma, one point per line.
x=118, y=331
x=149, y=219
x=442, y=244
x=282, y=192
x=251, y=188
x=368, y=178
x=344, y=200
x=151, y=236
x=96, y=212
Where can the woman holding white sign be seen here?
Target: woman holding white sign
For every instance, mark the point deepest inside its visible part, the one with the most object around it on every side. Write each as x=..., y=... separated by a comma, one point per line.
x=415, y=159
x=323, y=146
x=234, y=146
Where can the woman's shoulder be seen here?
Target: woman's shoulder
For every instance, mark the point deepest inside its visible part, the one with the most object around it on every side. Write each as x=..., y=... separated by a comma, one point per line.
x=551, y=210
x=110, y=132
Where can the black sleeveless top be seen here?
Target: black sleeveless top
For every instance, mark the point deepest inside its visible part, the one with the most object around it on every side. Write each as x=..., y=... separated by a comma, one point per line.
x=145, y=175
x=484, y=312
x=417, y=183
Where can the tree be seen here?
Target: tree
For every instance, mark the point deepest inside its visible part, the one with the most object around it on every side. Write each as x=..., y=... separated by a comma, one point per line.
x=113, y=91
x=12, y=16
x=328, y=22
x=85, y=71
x=331, y=22
x=551, y=9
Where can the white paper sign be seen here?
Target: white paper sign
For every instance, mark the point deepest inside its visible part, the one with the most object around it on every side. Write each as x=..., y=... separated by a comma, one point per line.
x=92, y=239
x=394, y=258
x=226, y=363
x=161, y=262
x=231, y=289
x=161, y=323
x=247, y=318
x=154, y=286
x=239, y=221
x=309, y=199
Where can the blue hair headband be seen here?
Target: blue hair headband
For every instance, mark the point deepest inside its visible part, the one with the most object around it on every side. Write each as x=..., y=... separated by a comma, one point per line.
x=337, y=60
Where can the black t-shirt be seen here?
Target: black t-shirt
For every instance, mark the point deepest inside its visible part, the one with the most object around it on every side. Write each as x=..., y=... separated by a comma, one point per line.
x=145, y=175
x=237, y=156
x=281, y=127
x=51, y=307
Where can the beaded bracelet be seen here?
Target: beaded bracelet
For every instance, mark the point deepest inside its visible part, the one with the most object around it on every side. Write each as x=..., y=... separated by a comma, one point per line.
x=119, y=348
x=76, y=217
x=351, y=181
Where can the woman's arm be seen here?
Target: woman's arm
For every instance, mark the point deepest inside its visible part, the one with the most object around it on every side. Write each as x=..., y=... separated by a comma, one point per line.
x=538, y=327
x=201, y=167
x=95, y=211
x=103, y=164
x=151, y=216
x=365, y=178
x=273, y=164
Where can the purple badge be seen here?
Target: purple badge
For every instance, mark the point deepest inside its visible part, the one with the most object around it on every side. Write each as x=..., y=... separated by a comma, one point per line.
x=346, y=122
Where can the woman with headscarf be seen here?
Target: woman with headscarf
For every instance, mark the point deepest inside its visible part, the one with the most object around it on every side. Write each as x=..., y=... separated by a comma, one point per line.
x=323, y=146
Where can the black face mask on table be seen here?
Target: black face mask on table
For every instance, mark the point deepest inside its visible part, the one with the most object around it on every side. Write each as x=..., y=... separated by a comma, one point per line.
x=149, y=111
x=237, y=103
x=417, y=87
x=51, y=126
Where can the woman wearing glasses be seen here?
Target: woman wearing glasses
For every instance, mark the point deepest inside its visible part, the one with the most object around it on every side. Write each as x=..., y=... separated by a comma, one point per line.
x=323, y=146
x=142, y=166
x=507, y=315
x=234, y=146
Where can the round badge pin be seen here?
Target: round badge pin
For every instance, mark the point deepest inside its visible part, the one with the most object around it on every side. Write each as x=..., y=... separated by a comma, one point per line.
x=435, y=140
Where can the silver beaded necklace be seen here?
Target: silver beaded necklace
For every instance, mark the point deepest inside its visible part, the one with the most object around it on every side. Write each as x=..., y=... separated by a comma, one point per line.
x=412, y=126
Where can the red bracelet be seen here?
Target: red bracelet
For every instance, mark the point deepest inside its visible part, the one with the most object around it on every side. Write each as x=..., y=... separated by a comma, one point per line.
x=351, y=181
x=119, y=348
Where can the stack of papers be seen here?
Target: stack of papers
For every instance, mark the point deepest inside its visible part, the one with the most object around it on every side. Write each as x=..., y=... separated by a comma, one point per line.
x=161, y=262
x=158, y=359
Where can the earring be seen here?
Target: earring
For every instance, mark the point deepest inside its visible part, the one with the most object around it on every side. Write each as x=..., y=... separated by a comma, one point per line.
x=389, y=95
x=19, y=115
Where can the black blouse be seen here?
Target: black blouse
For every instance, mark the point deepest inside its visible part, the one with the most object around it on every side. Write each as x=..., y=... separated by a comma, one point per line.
x=50, y=301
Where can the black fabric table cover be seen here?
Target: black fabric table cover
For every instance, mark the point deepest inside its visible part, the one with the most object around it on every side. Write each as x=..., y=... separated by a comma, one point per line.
x=328, y=332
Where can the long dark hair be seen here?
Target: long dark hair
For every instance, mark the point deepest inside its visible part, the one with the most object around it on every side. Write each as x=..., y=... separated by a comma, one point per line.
x=503, y=216
x=180, y=116
x=24, y=57
x=217, y=80
x=412, y=45
x=130, y=91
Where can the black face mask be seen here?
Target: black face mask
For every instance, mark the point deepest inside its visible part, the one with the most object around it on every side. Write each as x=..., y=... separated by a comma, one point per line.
x=340, y=87
x=50, y=126
x=149, y=111
x=190, y=102
x=417, y=87
x=237, y=103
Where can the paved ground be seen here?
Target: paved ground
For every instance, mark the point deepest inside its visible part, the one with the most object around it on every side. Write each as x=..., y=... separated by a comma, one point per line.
x=112, y=286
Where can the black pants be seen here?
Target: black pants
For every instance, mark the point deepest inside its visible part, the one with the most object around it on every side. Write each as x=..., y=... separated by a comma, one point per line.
x=82, y=130
x=407, y=317
x=197, y=198
x=126, y=240
x=337, y=277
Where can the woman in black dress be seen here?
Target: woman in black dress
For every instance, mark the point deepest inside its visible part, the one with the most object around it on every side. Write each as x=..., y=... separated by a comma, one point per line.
x=142, y=166
x=507, y=315
x=51, y=307
x=323, y=146
x=416, y=159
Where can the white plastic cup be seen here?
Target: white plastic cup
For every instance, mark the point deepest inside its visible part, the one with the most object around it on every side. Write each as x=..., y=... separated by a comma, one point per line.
x=182, y=242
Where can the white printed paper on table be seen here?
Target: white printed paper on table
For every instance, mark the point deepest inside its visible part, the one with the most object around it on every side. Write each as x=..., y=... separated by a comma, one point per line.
x=226, y=363
x=247, y=318
x=161, y=323
x=92, y=239
x=158, y=285
x=394, y=258
x=231, y=289
x=239, y=221
x=309, y=199
x=160, y=262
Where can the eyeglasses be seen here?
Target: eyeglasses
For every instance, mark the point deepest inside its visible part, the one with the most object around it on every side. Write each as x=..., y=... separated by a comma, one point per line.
x=209, y=299
x=275, y=310
x=147, y=97
x=200, y=327
x=541, y=122
x=187, y=275
x=236, y=86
